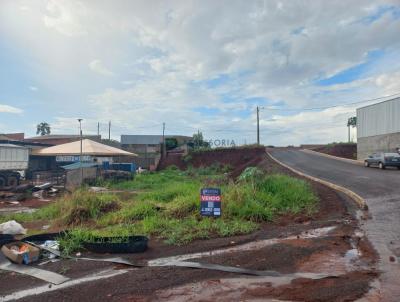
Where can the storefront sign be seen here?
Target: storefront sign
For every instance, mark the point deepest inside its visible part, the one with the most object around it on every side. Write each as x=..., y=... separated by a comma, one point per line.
x=210, y=202
x=73, y=158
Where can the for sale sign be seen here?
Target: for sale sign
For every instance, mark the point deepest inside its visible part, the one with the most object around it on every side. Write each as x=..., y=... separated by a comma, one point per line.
x=210, y=202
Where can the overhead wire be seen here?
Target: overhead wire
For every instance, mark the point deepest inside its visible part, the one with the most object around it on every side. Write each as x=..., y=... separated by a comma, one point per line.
x=230, y=130
x=331, y=106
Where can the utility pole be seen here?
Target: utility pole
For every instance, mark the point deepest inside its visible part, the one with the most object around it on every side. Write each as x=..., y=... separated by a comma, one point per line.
x=198, y=138
x=81, y=153
x=163, y=140
x=109, y=130
x=98, y=128
x=348, y=133
x=258, y=125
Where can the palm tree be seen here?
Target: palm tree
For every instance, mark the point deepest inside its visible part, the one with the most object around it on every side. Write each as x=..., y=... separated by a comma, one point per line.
x=43, y=128
x=351, y=122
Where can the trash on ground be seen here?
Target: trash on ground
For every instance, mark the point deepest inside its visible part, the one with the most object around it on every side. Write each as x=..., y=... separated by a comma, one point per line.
x=21, y=252
x=22, y=188
x=12, y=228
x=244, y=271
x=41, y=274
x=44, y=186
x=53, y=245
x=49, y=261
x=38, y=194
x=52, y=191
x=98, y=189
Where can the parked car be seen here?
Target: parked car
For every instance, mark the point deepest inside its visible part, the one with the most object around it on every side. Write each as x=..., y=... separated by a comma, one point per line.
x=383, y=160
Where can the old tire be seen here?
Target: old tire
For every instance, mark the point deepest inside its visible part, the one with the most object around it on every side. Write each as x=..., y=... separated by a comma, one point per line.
x=366, y=164
x=12, y=181
x=381, y=166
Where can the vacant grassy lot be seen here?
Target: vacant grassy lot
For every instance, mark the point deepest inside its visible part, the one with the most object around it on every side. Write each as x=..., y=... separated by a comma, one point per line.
x=166, y=205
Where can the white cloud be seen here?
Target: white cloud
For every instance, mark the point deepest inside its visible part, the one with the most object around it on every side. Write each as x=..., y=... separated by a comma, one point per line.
x=65, y=16
x=97, y=66
x=159, y=59
x=33, y=88
x=9, y=109
x=389, y=82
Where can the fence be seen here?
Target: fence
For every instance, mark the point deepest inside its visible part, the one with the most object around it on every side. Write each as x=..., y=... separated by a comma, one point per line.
x=53, y=177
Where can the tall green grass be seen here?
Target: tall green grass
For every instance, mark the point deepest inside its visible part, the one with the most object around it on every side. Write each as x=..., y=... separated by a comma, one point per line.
x=167, y=206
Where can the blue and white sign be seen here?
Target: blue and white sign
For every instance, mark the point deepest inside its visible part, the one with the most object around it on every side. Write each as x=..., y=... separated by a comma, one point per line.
x=73, y=158
x=210, y=202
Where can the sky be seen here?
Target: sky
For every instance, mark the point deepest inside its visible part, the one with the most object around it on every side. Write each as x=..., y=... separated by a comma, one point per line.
x=196, y=65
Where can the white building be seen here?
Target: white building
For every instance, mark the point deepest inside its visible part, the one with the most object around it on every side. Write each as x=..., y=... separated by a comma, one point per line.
x=378, y=128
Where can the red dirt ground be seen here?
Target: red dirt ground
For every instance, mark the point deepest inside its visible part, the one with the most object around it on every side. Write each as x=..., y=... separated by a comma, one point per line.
x=340, y=150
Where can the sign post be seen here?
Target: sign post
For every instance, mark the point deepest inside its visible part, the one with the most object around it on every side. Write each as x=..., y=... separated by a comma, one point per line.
x=210, y=202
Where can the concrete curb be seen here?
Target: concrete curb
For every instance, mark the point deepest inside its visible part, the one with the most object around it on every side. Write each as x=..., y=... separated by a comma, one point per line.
x=352, y=161
x=357, y=198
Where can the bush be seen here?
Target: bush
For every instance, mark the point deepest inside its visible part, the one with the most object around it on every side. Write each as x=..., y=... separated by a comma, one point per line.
x=251, y=174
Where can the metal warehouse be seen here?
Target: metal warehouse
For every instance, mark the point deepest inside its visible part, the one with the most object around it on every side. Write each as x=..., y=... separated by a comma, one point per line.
x=378, y=128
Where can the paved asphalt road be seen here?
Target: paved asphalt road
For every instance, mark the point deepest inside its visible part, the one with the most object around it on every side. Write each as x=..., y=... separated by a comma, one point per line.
x=380, y=189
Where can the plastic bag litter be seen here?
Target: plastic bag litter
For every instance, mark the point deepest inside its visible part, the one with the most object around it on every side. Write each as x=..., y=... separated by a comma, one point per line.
x=52, y=244
x=12, y=228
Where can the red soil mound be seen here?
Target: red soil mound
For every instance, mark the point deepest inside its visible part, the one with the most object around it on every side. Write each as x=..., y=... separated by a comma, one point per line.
x=237, y=158
x=340, y=150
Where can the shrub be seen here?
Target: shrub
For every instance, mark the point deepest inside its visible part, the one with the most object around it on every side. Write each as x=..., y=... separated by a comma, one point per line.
x=251, y=174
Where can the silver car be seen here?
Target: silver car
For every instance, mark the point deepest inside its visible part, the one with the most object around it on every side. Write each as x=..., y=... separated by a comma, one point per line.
x=383, y=160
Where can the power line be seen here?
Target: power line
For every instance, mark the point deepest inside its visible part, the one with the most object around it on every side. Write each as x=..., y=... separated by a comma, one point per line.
x=332, y=106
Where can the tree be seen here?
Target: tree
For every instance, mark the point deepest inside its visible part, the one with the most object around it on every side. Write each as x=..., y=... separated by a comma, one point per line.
x=111, y=142
x=171, y=143
x=198, y=141
x=351, y=122
x=43, y=128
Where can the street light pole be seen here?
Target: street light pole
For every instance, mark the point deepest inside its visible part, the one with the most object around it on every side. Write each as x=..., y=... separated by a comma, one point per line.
x=258, y=124
x=80, y=157
x=163, y=141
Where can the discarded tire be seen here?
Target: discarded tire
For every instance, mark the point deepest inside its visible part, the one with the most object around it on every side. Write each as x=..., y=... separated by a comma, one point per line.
x=131, y=244
x=43, y=237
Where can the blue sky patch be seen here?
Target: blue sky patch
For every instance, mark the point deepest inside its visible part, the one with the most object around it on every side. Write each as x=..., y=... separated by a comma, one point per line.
x=380, y=12
x=355, y=72
x=220, y=80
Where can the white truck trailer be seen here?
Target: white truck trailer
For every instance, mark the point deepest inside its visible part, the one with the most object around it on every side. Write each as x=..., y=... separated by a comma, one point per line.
x=13, y=160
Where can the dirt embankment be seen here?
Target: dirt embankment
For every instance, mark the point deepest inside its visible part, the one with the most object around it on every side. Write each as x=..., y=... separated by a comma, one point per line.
x=236, y=158
x=345, y=150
